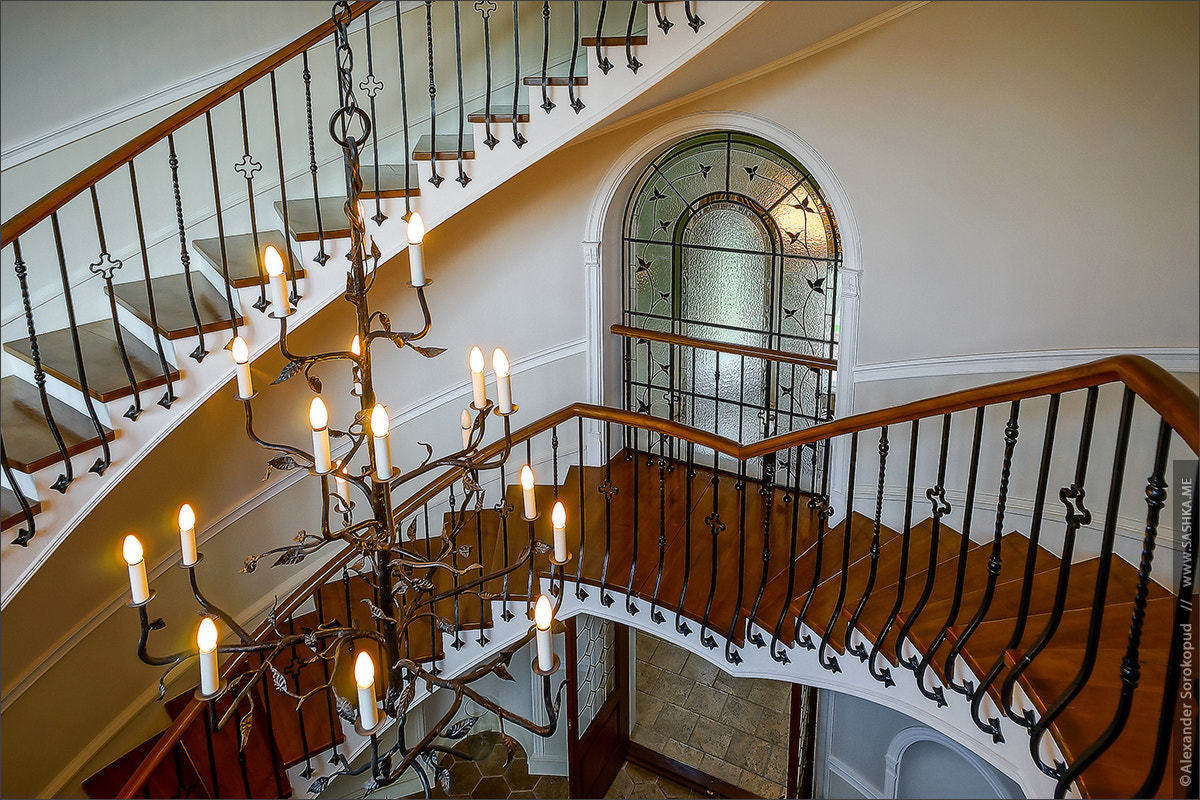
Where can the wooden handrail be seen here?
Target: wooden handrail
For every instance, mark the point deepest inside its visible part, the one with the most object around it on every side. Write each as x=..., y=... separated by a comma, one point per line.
x=815, y=362
x=89, y=176
x=1173, y=401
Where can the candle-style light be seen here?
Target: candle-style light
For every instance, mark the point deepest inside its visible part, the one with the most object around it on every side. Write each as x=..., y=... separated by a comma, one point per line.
x=527, y=492
x=380, y=425
x=187, y=534
x=241, y=357
x=559, y=517
x=356, y=349
x=466, y=428
x=480, y=394
x=364, y=676
x=139, y=586
x=339, y=483
x=273, y=262
x=503, y=387
x=416, y=259
x=206, y=643
x=543, y=616
x=318, y=418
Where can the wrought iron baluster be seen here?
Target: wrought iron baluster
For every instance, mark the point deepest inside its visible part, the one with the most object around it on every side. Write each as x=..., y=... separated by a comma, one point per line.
x=1011, y=432
x=819, y=503
x=248, y=167
x=373, y=86
x=637, y=497
x=716, y=526
x=554, y=458
x=1101, y=588
x=680, y=625
x=435, y=178
x=39, y=377
x=602, y=60
x=580, y=592
x=169, y=396
x=518, y=139
x=655, y=614
x=210, y=725
x=731, y=655
x=336, y=758
x=272, y=742
x=884, y=675
x=287, y=228
x=576, y=103
x=479, y=549
x=961, y=573
x=859, y=649
x=295, y=666
x=505, y=508
x=103, y=462
x=462, y=178
x=26, y=533
x=185, y=258
x=1131, y=671
x=766, y=491
x=485, y=8
x=212, y=156
x=663, y=23
x=321, y=256
x=630, y=59
x=607, y=489
x=693, y=19
x=831, y=663
x=791, y=496
x=106, y=267
x=546, y=104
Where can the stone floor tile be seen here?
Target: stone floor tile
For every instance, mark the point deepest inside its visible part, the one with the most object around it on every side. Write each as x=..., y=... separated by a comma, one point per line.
x=647, y=791
x=770, y=694
x=750, y=753
x=676, y=722
x=464, y=776
x=669, y=658
x=549, y=787
x=645, y=644
x=711, y=737
x=761, y=786
x=700, y=670
x=706, y=701
x=682, y=752
x=648, y=707
x=526, y=795
x=719, y=768
x=621, y=786
x=668, y=687
x=649, y=737
x=639, y=774
x=493, y=786
x=742, y=714
x=518, y=776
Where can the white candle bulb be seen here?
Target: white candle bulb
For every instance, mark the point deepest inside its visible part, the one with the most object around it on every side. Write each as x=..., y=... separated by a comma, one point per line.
x=187, y=534
x=559, y=517
x=364, y=676
x=416, y=259
x=480, y=395
x=503, y=387
x=139, y=587
x=241, y=357
x=206, y=643
x=356, y=349
x=273, y=262
x=543, y=616
x=318, y=418
x=340, y=485
x=380, y=425
x=527, y=492
x=466, y=429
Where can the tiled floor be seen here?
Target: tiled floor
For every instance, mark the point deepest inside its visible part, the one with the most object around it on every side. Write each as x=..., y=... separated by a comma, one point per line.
x=732, y=728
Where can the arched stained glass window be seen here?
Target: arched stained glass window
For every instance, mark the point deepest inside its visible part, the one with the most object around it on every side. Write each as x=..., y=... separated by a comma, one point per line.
x=728, y=241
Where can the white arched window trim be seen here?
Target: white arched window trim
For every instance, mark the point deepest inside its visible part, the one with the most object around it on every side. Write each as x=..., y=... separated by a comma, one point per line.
x=601, y=248
x=910, y=736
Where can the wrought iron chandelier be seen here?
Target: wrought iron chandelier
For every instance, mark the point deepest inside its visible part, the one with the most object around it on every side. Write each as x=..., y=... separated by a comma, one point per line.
x=404, y=597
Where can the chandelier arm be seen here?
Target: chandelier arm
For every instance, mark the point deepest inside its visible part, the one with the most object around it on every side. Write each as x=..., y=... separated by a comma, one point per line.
x=283, y=448
x=212, y=609
x=143, y=640
x=410, y=757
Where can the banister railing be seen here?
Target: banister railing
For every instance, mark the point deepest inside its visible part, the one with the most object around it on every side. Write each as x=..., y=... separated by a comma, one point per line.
x=837, y=574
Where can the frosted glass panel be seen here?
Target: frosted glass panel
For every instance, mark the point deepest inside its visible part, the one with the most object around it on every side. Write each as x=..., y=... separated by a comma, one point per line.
x=726, y=294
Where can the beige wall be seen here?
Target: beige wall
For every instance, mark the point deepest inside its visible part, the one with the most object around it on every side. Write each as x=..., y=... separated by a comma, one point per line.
x=1023, y=177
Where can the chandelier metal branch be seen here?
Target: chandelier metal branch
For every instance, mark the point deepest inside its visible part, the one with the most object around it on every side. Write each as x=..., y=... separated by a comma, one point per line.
x=400, y=575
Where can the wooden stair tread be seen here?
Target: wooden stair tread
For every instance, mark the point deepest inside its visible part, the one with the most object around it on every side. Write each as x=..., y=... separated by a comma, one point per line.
x=28, y=442
x=615, y=41
x=447, y=147
x=102, y=360
x=500, y=113
x=314, y=726
x=173, y=306
x=10, y=508
x=243, y=262
x=391, y=182
x=556, y=80
x=302, y=218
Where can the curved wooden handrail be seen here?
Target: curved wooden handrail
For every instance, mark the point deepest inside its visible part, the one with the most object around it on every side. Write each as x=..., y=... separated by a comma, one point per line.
x=1173, y=401
x=815, y=362
x=69, y=189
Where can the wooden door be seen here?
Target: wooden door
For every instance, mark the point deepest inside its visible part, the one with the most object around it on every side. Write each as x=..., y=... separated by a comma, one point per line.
x=597, y=703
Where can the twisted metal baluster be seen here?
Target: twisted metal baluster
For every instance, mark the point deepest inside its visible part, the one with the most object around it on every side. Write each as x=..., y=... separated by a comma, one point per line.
x=287, y=228
x=1035, y=530
x=1011, y=432
x=403, y=110
x=576, y=103
x=766, y=491
x=321, y=256
x=518, y=139
x=792, y=496
x=630, y=59
x=831, y=663
x=681, y=626
x=693, y=20
x=859, y=649
x=580, y=592
x=435, y=179
x=1131, y=671
x=655, y=614
x=663, y=23
x=884, y=675
x=106, y=267
x=731, y=655
x=26, y=533
x=960, y=575
x=463, y=179
x=716, y=527
x=248, y=167
x=373, y=86
x=1105, y=564
x=212, y=157
x=602, y=60
x=546, y=104
x=185, y=258
x=39, y=376
x=103, y=462
x=485, y=8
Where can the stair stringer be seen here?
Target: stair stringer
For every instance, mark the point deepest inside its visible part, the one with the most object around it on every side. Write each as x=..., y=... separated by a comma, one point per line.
x=605, y=96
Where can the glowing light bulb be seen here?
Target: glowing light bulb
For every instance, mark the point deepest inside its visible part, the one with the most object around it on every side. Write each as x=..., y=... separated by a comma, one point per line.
x=383, y=452
x=239, y=350
x=241, y=360
x=416, y=256
x=364, y=670
x=273, y=263
x=139, y=586
x=206, y=643
x=187, y=534
x=364, y=676
x=318, y=415
x=416, y=228
x=543, y=616
x=132, y=550
x=559, y=518
x=527, y=492
x=503, y=385
x=206, y=636
x=318, y=418
x=477, y=389
x=356, y=351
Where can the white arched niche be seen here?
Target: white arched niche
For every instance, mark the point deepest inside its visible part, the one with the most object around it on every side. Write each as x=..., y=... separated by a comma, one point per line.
x=921, y=762
x=602, y=258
